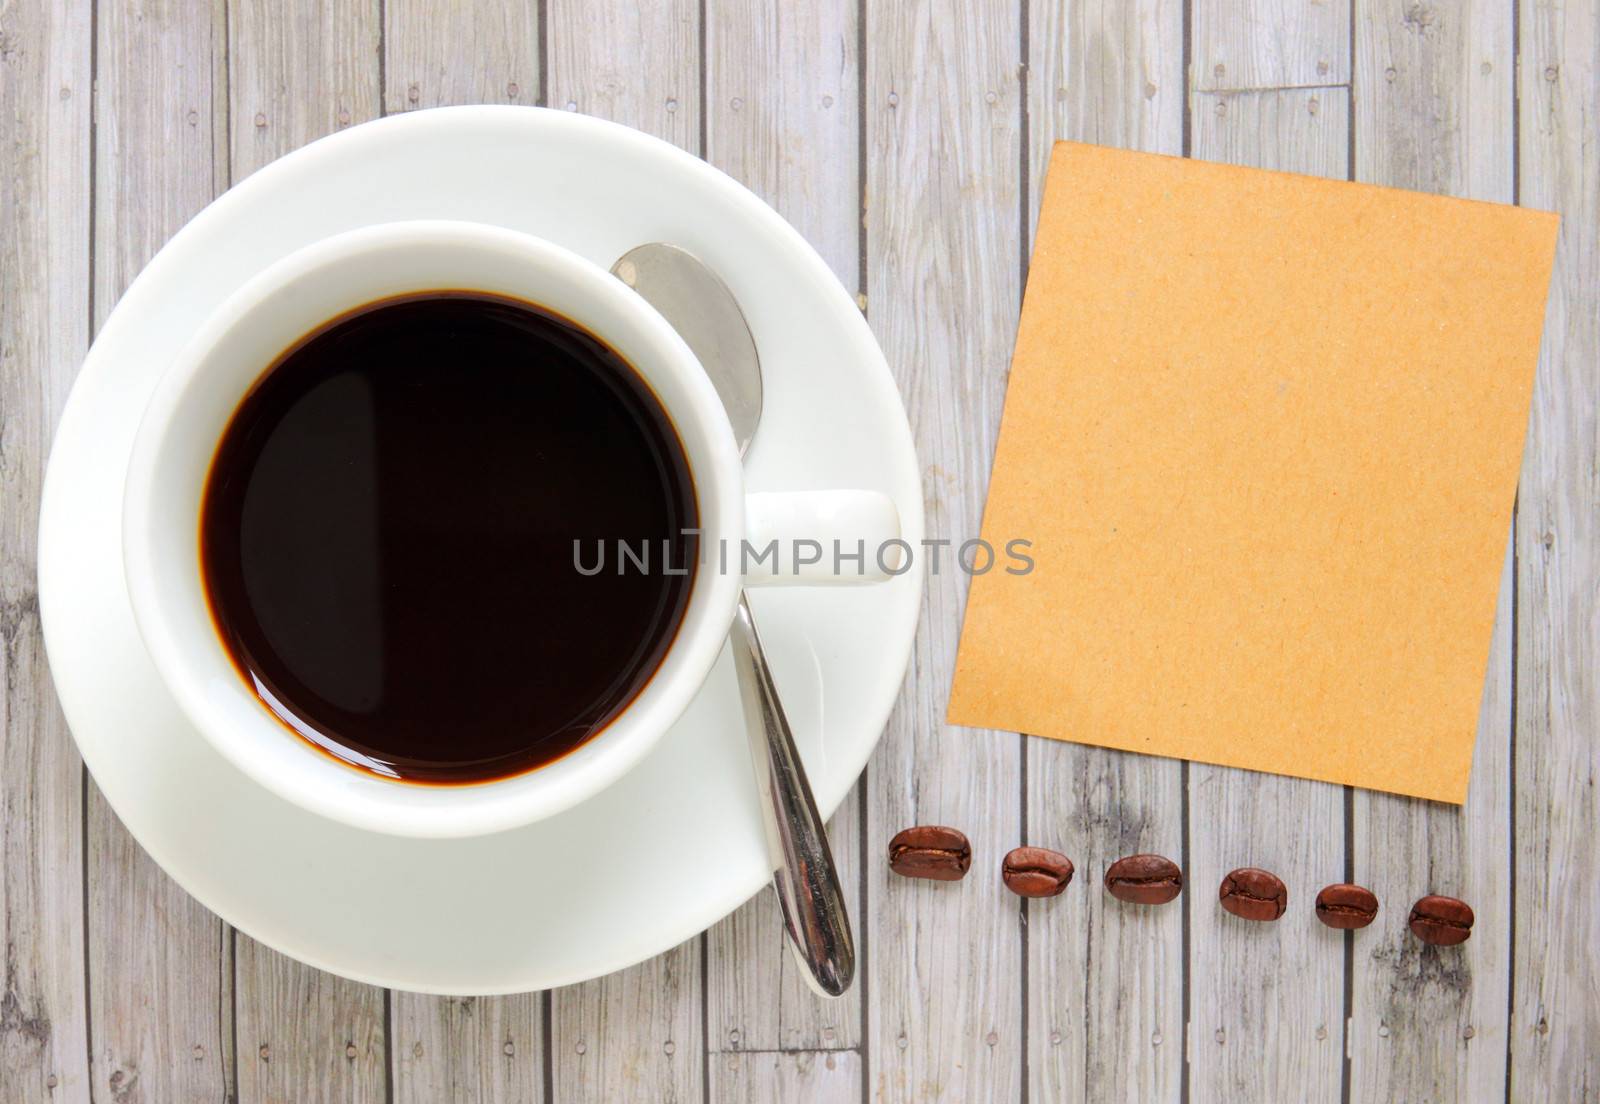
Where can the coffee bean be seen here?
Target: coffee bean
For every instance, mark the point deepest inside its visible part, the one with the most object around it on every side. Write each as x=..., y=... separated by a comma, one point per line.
x=1036, y=872
x=1346, y=906
x=1144, y=880
x=930, y=851
x=1442, y=921
x=1252, y=894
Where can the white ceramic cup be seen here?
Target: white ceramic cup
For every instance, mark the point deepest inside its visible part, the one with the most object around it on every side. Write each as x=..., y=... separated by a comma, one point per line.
x=189, y=412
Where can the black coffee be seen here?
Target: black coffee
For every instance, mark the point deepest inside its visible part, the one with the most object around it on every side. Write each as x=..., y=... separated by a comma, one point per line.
x=388, y=533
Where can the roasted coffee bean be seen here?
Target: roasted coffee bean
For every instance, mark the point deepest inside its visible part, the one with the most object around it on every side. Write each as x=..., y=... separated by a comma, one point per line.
x=930, y=851
x=1036, y=872
x=1442, y=921
x=1347, y=906
x=1252, y=894
x=1144, y=880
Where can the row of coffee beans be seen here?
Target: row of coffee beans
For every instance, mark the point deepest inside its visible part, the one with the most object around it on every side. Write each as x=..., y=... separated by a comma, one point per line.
x=944, y=854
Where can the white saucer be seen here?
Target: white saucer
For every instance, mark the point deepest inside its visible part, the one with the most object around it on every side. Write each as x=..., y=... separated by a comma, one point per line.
x=675, y=845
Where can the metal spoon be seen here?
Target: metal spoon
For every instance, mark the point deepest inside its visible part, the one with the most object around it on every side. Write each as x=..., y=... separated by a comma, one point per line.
x=704, y=312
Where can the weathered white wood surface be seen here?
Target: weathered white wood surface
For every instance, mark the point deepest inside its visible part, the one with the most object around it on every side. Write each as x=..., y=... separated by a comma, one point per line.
x=786, y=1077
x=290, y=81
x=468, y=51
x=44, y=329
x=1555, y=779
x=461, y=1050
x=1105, y=979
x=782, y=114
x=446, y=1050
x=1435, y=115
x=637, y=64
x=303, y=1035
x=1244, y=45
x=1267, y=1001
x=160, y=967
x=118, y=988
x=637, y=1035
x=943, y=169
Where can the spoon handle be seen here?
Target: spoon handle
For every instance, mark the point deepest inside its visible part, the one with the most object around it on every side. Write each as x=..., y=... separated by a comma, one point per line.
x=807, y=883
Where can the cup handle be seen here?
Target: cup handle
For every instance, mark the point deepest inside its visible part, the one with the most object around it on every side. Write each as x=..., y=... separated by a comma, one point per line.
x=806, y=538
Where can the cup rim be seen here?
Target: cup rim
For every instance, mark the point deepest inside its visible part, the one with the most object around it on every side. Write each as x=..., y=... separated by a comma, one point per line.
x=311, y=778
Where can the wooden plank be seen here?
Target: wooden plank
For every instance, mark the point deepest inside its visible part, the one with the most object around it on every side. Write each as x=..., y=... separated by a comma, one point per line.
x=756, y=998
x=1106, y=72
x=295, y=79
x=783, y=117
x=1261, y=44
x=1266, y=1000
x=1105, y=980
x=161, y=970
x=1555, y=1004
x=943, y=197
x=769, y=1077
x=161, y=967
x=469, y=51
x=632, y=1036
x=304, y=1035
x=467, y=1050
x=637, y=64
x=637, y=1035
x=45, y=104
x=1296, y=130
x=463, y=1050
x=1435, y=114
x=1435, y=109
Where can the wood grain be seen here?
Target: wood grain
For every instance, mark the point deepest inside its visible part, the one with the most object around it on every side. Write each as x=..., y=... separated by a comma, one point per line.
x=161, y=969
x=463, y=1050
x=160, y=965
x=767, y=1077
x=1435, y=114
x=467, y=1050
x=467, y=51
x=943, y=103
x=1555, y=1006
x=783, y=118
x=756, y=998
x=637, y=1035
x=1261, y=44
x=1267, y=1000
x=151, y=978
x=1106, y=72
x=1105, y=989
x=292, y=81
x=304, y=1035
x=45, y=105
x=633, y=1036
x=634, y=63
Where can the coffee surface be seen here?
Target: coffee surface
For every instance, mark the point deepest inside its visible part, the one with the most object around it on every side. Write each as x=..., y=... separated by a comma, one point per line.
x=388, y=529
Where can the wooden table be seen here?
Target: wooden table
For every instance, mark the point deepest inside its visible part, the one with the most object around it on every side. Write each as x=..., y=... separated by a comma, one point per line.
x=906, y=139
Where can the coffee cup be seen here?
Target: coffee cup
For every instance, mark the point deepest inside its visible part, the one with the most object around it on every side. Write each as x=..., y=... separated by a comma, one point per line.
x=224, y=363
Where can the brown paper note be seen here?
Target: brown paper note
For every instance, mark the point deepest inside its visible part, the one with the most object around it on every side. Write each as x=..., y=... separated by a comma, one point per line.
x=1263, y=432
